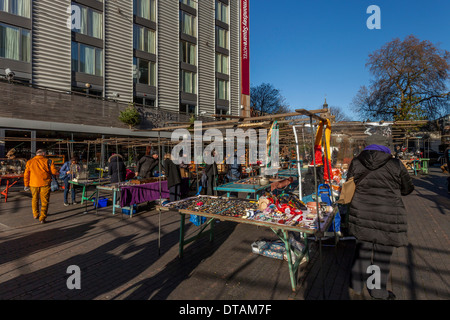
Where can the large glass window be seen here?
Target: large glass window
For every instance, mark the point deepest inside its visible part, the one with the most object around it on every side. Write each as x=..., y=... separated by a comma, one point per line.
x=18, y=7
x=144, y=39
x=91, y=23
x=145, y=9
x=187, y=24
x=188, y=81
x=144, y=72
x=87, y=59
x=222, y=89
x=187, y=52
x=15, y=43
x=221, y=11
x=221, y=37
x=190, y=3
x=222, y=63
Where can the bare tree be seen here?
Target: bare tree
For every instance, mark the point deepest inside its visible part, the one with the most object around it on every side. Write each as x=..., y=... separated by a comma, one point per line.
x=339, y=114
x=265, y=98
x=410, y=82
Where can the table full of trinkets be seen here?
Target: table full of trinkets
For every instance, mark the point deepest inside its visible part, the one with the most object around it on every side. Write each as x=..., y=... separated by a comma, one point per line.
x=145, y=192
x=282, y=214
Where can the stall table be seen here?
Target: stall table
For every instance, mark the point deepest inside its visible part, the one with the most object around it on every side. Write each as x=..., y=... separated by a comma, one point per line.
x=292, y=172
x=87, y=183
x=133, y=194
x=281, y=230
x=11, y=179
x=246, y=186
x=417, y=165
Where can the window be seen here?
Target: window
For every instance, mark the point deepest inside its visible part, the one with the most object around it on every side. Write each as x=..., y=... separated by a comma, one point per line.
x=87, y=59
x=17, y=7
x=222, y=63
x=145, y=9
x=144, y=72
x=222, y=89
x=187, y=108
x=188, y=82
x=144, y=39
x=221, y=110
x=187, y=52
x=91, y=23
x=221, y=12
x=221, y=37
x=187, y=24
x=146, y=102
x=190, y=3
x=15, y=43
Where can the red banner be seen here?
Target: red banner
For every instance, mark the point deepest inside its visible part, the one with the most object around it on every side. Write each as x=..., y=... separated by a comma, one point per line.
x=245, y=48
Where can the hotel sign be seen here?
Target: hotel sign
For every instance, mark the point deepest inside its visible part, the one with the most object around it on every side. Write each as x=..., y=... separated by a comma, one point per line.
x=245, y=48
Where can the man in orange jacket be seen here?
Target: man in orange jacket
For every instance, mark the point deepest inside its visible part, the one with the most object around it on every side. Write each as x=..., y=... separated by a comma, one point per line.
x=37, y=177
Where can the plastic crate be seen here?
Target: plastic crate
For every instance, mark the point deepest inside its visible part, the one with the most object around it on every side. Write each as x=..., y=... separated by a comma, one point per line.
x=127, y=211
x=102, y=202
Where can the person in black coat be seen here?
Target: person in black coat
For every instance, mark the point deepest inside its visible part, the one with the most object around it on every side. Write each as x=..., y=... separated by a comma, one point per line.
x=377, y=216
x=116, y=168
x=173, y=175
x=211, y=173
x=146, y=165
x=447, y=160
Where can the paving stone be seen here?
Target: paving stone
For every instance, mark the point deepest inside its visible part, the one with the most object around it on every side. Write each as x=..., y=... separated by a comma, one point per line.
x=123, y=258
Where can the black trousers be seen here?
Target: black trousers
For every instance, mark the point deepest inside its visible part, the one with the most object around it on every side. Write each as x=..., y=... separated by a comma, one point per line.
x=210, y=186
x=371, y=254
x=174, y=193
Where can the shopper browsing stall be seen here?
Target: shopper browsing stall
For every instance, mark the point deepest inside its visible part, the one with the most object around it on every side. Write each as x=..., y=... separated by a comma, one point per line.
x=211, y=173
x=116, y=168
x=146, y=165
x=377, y=215
x=68, y=172
x=173, y=175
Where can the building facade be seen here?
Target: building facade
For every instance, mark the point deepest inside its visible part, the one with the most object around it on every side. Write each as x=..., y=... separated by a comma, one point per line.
x=79, y=63
x=182, y=56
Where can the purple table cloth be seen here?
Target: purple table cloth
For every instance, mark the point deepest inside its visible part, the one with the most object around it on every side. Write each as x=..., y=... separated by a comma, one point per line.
x=131, y=195
x=140, y=193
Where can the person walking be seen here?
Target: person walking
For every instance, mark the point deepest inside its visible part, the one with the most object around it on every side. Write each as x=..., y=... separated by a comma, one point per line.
x=146, y=165
x=116, y=168
x=173, y=175
x=68, y=172
x=377, y=216
x=37, y=178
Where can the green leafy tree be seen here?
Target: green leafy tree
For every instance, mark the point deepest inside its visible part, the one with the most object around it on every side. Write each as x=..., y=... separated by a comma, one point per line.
x=130, y=116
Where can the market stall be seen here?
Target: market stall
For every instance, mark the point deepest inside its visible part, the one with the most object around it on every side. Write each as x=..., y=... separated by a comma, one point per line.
x=275, y=214
x=253, y=187
x=285, y=213
x=127, y=195
x=11, y=180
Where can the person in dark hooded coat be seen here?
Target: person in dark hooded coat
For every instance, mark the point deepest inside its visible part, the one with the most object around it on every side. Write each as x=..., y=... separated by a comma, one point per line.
x=173, y=174
x=377, y=217
x=116, y=168
x=146, y=165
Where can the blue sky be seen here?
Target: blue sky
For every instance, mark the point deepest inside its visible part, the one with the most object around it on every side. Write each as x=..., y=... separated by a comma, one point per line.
x=312, y=48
